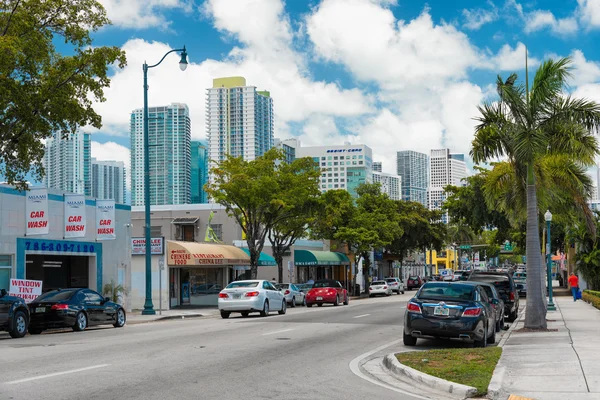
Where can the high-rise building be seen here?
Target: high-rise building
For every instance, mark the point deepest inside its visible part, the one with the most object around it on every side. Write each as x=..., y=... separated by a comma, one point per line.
x=412, y=168
x=390, y=184
x=169, y=130
x=199, y=162
x=108, y=180
x=445, y=169
x=239, y=120
x=67, y=161
x=289, y=147
x=377, y=166
x=342, y=167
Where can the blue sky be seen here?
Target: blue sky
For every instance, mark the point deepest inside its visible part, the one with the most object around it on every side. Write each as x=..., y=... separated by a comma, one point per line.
x=393, y=75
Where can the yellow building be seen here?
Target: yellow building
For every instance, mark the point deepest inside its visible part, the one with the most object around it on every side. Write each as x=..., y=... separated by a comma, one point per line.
x=446, y=259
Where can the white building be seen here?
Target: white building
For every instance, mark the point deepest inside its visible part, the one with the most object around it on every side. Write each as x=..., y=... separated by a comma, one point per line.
x=169, y=129
x=377, y=166
x=444, y=169
x=108, y=180
x=342, y=167
x=390, y=184
x=67, y=162
x=239, y=120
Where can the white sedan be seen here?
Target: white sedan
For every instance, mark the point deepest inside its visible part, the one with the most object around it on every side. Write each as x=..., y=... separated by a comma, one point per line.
x=251, y=296
x=379, y=288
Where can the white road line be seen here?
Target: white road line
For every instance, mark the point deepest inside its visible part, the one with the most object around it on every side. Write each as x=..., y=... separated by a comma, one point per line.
x=360, y=316
x=56, y=374
x=281, y=331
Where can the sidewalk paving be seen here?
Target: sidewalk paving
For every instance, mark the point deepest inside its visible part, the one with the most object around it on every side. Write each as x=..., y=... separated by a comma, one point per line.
x=136, y=317
x=554, y=365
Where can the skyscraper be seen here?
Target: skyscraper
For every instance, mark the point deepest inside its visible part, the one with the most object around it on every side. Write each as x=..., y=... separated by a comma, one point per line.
x=445, y=169
x=199, y=161
x=239, y=120
x=377, y=166
x=390, y=184
x=412, y=169
x=108, y=180
x=67, y=162
x=170, y=157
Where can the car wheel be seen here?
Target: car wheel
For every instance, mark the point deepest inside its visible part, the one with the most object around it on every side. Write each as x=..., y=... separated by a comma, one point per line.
x=309, y=305
x=388, y=294
x=120, y=322
x=245, y=314
x=19, y=328
x=80, y=322
x=293, y=304
x=34, y=331
x=403, y=292
x=283, y=307
x=337, y=301
x=304, y=301
x=320, y=304
x=225, y=314
x=492, y=338
x=265, y=310
x=370, y=295
x=513, y=316
x=482, y=342
x=498, y=325
x=346, y=300
x=408, y=339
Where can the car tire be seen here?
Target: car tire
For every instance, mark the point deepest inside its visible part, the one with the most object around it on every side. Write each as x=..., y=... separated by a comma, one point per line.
x=34, y=331
x=370, y=295
x=498, y=325
x=346, y=300
x=320, y=304
x=388, y=294
x=337, y=301
x=120, y=318
x=408, y=339
x=293, y=303
x=513, y=315
x=225, y=314
x=309, y=305
x=81, y=322
x=492, y=338
x=483, y=342
x=403, y=292
x=245, y=314
x=283, y=308
x=19, y=328
x=265, y=310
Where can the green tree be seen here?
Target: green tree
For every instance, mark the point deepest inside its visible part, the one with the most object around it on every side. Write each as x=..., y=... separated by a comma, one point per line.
x=546, y=137
x=336, y=210
x=588, y=252
x=41, y=90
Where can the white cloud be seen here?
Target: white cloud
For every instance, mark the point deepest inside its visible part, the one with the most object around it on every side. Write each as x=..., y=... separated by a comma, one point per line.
x=584, y=71
x=589, y=13
x=142, y=14
x=541, y=19
x=509, y=59
x=111, y=151
x=477, y=17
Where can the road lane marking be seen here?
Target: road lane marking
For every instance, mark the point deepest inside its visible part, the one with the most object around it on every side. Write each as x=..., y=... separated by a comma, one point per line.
x=56, y=374
x=281, y=331
x=360, y=316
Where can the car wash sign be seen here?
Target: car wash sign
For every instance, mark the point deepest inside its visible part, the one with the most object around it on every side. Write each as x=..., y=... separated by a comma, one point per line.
x=36, y=210
x=25, y=289
x=74, y=216
x=105, y=220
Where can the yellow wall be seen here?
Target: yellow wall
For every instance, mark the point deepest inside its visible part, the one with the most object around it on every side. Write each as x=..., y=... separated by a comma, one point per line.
x=229, y=82
x=443, y=262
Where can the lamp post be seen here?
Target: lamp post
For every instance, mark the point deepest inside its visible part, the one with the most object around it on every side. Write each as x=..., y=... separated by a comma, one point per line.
x=548, y=218
x=148, y=306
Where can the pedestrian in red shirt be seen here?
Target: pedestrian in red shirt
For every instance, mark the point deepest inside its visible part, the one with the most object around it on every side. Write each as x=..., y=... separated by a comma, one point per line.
x=574, y=283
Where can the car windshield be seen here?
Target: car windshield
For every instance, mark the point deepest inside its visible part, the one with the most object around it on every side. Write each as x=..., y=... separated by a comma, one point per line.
x=500, y=281
x=320, y=284
x=283, y=286
x=378, y=283
x=56, y=295
x=413, y=277
x=520, y=275
x=436, y=291
x=241, y=284
x=391, y=280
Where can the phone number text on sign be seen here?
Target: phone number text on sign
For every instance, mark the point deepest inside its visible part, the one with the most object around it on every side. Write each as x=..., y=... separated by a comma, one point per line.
x=58, y=246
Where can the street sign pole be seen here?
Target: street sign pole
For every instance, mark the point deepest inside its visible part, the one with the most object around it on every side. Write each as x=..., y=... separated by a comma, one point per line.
x=161, y=267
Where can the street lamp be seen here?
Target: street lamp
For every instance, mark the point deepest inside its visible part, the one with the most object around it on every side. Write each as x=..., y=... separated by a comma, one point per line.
x=148, y=306
x=548, y=218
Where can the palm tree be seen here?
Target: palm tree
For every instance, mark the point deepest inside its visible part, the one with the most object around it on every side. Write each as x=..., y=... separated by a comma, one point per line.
x=547, y=140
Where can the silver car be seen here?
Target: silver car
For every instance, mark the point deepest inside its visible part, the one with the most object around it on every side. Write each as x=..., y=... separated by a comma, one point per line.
x=379, y=288
x=293, y=295
x=251, y=296
x=395, y=284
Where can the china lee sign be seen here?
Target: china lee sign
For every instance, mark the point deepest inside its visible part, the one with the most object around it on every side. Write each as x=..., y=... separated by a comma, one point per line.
x=25, y=289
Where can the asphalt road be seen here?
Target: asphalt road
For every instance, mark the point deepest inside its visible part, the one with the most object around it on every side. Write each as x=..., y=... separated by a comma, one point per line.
x=304, y=354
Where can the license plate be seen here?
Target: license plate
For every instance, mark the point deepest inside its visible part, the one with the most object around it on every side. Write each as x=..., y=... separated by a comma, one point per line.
x=40, y=309
x=441, y=311
x=319, y=298
x=237, y=296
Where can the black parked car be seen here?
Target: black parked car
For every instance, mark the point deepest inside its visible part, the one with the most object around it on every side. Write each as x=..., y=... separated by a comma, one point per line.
x=73, y=308
x=14, y=315
x=508, y=290
x=497, y=305
x=455, y=310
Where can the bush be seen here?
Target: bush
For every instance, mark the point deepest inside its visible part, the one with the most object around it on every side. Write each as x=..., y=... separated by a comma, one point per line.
x=592, y=297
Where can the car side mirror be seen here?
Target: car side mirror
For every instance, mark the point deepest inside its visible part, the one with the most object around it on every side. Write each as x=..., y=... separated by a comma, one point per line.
x=106, y=300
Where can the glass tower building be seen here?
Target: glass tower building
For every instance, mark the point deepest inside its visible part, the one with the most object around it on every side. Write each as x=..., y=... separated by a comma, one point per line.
x=68, y=163
x=199, y=162
x=412, y=167
x=108, y=180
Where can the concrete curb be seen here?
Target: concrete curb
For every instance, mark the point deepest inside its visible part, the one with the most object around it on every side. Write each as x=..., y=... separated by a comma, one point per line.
x=403, y=372
x=164, y=318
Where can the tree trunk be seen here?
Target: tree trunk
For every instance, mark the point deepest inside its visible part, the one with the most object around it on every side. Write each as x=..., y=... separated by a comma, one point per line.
x=279, y=261
x=535, y=316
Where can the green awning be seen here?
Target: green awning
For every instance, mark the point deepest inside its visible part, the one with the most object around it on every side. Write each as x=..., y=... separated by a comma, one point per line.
x=304, y=258
x=264, y=260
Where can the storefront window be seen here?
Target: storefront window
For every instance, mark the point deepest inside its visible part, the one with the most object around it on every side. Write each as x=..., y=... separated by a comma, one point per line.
x=201, y=286
x=5, y=271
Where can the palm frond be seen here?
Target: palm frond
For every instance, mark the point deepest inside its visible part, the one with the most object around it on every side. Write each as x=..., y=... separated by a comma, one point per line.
x=548, y=84
x=583, y=111
x=573, y=139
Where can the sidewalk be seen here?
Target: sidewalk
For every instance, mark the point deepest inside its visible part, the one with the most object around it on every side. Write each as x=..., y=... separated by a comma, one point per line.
x=554, y=365
x=136, y=317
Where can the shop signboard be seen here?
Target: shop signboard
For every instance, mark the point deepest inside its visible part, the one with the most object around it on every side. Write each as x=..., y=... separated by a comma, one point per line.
x=75, y=221
x=26, y=289
x=138, y=245
x=105, y=220
x=36, y=212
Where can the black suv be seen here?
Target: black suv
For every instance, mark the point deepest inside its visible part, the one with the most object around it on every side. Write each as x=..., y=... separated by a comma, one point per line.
x=14, y=315
x=506, y=287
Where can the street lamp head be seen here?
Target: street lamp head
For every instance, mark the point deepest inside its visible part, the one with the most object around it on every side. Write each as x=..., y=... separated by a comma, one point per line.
x=548, y=216
x=183, y=62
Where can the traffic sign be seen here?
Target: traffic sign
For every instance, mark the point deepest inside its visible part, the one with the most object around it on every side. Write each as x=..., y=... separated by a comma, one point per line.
x=465, y=247
x=508, y=246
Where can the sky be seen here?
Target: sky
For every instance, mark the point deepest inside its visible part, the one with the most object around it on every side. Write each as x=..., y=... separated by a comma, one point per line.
x=391, y=74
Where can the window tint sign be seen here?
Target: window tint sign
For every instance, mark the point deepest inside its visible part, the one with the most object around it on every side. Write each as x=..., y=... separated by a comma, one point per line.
x=25, y=289
x=36, y=212
x=105, y=220
x=75, y=223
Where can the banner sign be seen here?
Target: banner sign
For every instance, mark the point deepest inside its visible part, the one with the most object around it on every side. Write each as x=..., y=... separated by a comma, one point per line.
x=36, y=212
x=105, y=220
x=138, y=246
x=74, y=216
x=25, y=289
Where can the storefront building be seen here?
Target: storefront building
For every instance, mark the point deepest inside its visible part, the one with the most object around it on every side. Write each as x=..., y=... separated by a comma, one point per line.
x=315, y=265
x=62, y=240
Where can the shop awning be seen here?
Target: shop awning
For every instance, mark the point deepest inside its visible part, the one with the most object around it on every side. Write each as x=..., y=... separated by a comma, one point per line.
x=264, y=260
x=303, y=258
x=185, y=220
x=206, y=254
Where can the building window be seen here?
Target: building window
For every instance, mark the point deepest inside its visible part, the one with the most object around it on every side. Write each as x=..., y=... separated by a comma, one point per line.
x=5, y=271
x=218, y=230
x=156, y=231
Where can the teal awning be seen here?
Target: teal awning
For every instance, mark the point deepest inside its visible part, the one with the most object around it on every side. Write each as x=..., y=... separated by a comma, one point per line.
x=305, y=258
x=264, y=260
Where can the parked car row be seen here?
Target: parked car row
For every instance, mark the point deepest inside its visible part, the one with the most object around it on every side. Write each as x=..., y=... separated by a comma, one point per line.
x=63, y=308
x=386, y=287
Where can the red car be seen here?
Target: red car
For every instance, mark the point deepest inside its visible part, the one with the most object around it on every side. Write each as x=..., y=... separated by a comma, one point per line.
x=414, y=282
x=327, y=291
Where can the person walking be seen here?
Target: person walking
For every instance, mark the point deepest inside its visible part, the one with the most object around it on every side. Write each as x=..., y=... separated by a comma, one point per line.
x=574, y=283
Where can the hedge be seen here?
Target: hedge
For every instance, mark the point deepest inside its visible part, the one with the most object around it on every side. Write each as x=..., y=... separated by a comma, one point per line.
x=592, y=297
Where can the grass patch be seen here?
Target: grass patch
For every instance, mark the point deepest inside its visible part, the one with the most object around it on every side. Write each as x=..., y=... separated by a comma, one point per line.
x=471, y=367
